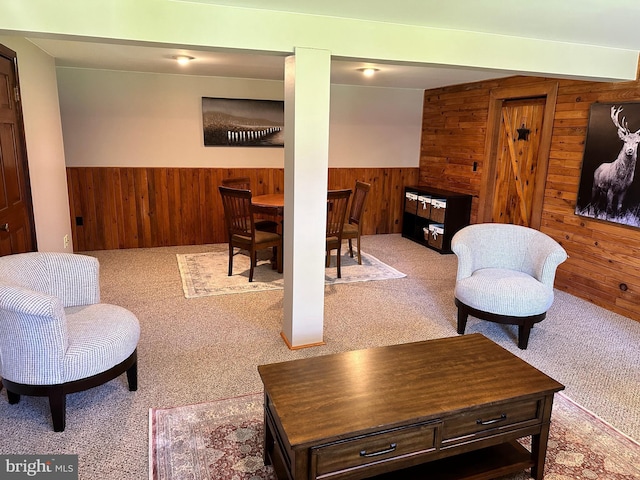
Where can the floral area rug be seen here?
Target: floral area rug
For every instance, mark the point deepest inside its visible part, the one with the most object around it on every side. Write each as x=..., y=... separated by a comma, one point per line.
x=205, y=274
x=223, y=441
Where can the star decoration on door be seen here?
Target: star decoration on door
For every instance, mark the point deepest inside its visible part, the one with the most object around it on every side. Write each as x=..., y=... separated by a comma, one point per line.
x=523, y=133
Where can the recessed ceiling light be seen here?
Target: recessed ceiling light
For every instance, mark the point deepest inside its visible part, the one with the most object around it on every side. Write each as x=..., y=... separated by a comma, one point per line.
x=369, y=71
x=183, y=59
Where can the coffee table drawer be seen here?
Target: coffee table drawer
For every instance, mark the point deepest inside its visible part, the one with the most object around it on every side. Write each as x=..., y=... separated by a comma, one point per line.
x=332, y=459
x=494, y=417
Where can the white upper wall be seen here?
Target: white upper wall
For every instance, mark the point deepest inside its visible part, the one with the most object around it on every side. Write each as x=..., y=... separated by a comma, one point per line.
x=375, y=127
x=133, y=119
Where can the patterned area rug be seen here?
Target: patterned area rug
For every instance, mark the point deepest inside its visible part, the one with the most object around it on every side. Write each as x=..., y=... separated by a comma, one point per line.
x=223, y=440
x=205, y=274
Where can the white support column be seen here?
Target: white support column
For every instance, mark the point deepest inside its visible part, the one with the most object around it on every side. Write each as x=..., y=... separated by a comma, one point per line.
x=307, y=95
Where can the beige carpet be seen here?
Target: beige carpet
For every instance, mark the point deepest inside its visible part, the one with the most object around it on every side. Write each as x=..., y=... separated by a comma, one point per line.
x=199, y=350
x=223, y=440
x=205, y=274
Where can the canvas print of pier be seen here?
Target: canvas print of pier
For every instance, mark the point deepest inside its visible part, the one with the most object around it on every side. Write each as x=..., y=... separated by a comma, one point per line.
x=233, y=122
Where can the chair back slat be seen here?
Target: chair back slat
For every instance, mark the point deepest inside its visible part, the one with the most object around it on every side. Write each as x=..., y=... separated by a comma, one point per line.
x=237, y=211
x=337, y=203
x=242, y=183
x=358, y=201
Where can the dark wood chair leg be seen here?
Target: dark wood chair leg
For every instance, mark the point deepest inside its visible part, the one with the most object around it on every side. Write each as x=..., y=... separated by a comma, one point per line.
x=279, y=259
x=462, y=320
x=58, y=406
x=253, y=259
x=338, y=254
x=13, y=397
x=350, y=248
x=132, y=377
x=230, y=260
x=523, y=335
x=359, y=253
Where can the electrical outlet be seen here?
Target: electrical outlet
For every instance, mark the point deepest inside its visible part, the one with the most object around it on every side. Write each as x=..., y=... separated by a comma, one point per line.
x=66, y=241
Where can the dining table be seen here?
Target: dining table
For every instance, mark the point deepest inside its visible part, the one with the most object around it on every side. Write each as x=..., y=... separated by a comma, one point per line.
x=269, y=205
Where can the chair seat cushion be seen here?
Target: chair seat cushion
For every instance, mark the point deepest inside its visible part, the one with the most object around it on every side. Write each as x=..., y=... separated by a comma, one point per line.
x=100, y=337
x=504, y=292
x=350, y=230
x=261, y=237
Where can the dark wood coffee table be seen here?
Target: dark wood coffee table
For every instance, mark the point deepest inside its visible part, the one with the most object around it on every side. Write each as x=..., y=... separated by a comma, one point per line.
x=450, y=408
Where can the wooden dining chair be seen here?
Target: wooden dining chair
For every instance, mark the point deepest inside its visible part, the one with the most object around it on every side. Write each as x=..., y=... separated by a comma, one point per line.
x=353, y=227
x=242, y=231
x=244, y=183
x=337, y=203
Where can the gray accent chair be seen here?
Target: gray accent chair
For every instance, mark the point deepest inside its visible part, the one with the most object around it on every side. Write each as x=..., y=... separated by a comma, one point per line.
x=55, y=335
x=505, y=275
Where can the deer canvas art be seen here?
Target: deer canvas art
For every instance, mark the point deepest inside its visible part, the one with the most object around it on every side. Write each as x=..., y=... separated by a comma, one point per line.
x=609, y=187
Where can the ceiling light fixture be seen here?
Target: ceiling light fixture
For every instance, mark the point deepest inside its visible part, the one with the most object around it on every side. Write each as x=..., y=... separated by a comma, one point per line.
x=369, y=71
x=183, y=59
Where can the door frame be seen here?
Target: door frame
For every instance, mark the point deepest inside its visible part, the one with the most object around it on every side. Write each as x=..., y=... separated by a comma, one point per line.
x=21, y=137
x=497, y=97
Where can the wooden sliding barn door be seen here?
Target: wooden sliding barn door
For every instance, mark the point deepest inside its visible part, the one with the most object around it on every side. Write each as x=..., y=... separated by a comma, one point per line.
x=518, y=140
x=517, y=161
x=17, y=233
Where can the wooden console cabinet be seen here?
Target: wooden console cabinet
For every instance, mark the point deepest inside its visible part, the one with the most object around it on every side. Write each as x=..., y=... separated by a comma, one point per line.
x=451, y=408
x=432, y=216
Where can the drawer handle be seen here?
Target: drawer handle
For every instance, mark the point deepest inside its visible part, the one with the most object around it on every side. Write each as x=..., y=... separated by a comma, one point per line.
x=392, y=447
x=492, y=421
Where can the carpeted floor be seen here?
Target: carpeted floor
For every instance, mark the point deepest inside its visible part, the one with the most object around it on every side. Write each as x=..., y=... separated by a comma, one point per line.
x=202, y=349
x=223, y=440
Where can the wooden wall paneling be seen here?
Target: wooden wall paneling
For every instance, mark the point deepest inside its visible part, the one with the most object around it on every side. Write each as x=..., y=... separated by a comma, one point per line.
x=155, y=229
x=205, y=211
x=175, y=202
x=130, y=221
x=151, y=207
x=79, y=205
x=118, y=228
x=73, y=207
x=142, y=202
x=383, y=206
x=214, y=224
x=111, y=191
x=91, y=218
x=189, y=208
x=604, y=258
x=161, y=192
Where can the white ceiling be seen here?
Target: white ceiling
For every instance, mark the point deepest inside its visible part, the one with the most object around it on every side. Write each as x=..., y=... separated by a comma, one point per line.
x=595, y=22
x=244, y=65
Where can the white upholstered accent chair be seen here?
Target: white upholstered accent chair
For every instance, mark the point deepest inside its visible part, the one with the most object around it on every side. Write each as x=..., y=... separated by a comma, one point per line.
x=55, y=335
x=505, y=275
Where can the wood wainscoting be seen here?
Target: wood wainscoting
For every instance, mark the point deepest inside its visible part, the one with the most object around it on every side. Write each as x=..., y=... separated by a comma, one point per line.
x=116, y=207
x=604, y=258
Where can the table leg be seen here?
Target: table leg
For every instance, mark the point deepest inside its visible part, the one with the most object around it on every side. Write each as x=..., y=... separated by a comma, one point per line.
x=268, y=435
x=539, y=452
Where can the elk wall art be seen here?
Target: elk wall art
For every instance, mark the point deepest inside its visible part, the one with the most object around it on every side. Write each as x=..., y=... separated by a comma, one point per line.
x=234, y=122
x=609, y=184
